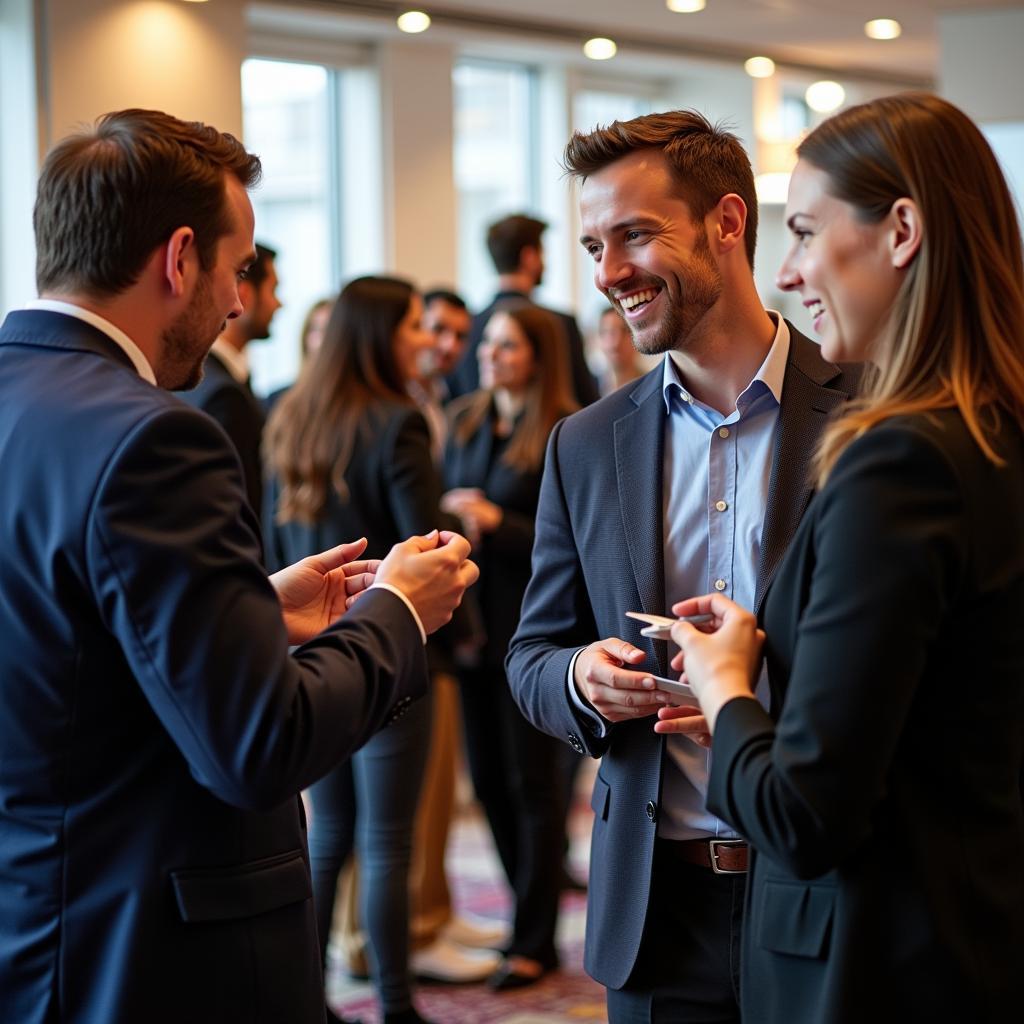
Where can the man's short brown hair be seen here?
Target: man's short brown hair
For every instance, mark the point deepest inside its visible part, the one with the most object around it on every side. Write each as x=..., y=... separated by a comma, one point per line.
x=109, y=195
x=506, y=239
x=707, y=162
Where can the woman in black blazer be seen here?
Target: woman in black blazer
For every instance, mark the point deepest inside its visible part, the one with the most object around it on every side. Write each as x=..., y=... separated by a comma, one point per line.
x=884, y=804
x=493, y=464
x=349, y=456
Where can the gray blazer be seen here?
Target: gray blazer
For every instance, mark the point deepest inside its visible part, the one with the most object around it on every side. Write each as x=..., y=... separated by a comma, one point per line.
x=598, y=553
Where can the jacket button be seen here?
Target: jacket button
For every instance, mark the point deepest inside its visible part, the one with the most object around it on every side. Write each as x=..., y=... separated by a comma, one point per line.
x=576, y=743
x=652, y=811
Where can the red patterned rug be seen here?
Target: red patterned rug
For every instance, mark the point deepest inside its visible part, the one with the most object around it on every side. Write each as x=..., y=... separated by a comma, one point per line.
x=478, y=886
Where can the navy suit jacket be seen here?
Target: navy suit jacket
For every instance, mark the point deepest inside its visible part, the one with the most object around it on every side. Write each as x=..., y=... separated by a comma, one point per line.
x=598, y=554
x=154, y=730
x=233, y=405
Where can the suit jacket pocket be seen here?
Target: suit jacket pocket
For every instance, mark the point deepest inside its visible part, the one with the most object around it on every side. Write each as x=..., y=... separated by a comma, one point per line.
x=795, y=918
x=242, y=890
x=599, y=798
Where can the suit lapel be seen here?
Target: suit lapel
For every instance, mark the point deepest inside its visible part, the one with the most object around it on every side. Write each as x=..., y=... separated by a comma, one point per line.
x=639, y=452
x=806, y=406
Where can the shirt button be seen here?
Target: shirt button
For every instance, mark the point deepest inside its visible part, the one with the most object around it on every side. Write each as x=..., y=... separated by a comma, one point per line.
x=721, y=505
x=720, y=584
x=652, y=810
x=723, y=431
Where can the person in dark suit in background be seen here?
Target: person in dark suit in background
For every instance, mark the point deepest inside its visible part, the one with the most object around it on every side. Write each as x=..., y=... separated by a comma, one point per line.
x=348, y=449
x=492, y=469
x=224, y=392
x=518, y=253
x=884, y=805
x=692, y=479
x=155, y=730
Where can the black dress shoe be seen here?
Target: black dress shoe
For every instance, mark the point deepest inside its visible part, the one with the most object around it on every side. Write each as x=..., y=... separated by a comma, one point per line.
x=506, y=978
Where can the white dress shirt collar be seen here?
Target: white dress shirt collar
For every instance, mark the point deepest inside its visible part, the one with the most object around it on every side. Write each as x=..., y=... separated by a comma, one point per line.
x=115, y=334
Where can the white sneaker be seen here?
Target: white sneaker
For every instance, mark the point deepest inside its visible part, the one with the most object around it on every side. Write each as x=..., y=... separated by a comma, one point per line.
x=443, y=960
x=476, y=932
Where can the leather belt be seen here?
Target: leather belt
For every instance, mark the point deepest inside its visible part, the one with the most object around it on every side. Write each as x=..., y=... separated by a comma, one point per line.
x=723, y=856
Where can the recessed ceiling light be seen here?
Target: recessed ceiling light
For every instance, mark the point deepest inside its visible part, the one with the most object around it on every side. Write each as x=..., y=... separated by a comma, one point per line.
x=600, y=48
x=413, y=21
x=760, y=67
x=883, y=28
x=685, y=6
x=825, y=96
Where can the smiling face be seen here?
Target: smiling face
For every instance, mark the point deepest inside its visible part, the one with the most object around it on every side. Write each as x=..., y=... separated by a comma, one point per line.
x=651, y=259
x=842, y=266
x=506, y=357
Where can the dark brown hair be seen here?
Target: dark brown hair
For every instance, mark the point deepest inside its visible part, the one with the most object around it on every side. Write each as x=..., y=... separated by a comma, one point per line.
x=707, y=162
x=548, y=398
x=109, y=195
x=314, y=427
x=506, y=239
x=955, y=337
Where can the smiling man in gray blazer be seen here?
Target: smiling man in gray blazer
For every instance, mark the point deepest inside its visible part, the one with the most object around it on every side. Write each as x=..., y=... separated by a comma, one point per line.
x=689, y=480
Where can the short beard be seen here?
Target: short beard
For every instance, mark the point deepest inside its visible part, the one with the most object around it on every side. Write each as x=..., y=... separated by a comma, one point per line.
x=187, y=341
x=702, y=288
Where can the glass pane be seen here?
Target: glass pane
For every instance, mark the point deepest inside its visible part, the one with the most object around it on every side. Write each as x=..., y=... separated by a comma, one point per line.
x=592, y=108
x=286, y=116
x=492, y=163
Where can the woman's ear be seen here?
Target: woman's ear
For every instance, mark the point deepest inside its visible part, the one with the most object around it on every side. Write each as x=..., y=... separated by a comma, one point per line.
x=907, y=232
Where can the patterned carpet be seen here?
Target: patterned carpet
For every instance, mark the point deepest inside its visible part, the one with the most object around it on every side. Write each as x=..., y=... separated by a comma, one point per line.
x=478, y=886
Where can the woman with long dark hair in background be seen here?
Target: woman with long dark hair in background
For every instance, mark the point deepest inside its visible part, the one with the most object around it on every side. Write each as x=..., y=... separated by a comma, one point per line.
x=883, y=807
x=493, y=465
x=348, y=455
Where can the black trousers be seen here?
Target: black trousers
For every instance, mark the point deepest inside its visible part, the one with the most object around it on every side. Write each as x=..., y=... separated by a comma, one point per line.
x=517, y=777
x=687, y=970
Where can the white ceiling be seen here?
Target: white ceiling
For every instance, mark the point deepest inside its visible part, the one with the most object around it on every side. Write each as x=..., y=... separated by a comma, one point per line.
x=813, y=33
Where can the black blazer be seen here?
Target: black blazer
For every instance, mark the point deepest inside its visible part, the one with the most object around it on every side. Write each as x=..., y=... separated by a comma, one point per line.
x=885, y=806
x=233, y=405
x=154, y=730
x=466, y=377
x=394, y=491
x=504, y=555
x=598, y=554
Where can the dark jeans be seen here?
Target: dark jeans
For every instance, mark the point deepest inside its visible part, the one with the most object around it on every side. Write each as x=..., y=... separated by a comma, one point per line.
x=370, y=802
x=688, y=967
x=518, y=779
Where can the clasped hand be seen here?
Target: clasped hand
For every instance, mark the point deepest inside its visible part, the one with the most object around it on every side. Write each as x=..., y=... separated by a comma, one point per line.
x=432, y=572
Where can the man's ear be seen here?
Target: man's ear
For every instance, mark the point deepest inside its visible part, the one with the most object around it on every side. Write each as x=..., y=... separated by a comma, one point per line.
x=180, y=255
x=729, y=218
x=906, y=233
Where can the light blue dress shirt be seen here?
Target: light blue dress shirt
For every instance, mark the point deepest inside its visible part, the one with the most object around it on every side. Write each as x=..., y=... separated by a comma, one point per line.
x=715, y=480
x=714, y=490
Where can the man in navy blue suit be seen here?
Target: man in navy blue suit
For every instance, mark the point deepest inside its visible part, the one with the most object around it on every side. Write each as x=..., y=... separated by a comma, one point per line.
x=154, y=729
x=691, y=480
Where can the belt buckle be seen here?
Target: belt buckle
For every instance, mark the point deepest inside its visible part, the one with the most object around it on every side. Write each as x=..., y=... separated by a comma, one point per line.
x=713, y=847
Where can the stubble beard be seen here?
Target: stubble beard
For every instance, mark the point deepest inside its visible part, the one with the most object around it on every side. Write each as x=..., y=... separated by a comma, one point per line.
x=701, y=288
x=187, y=341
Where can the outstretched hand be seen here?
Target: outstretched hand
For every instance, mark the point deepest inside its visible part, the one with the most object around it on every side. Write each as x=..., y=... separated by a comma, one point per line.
x=317, y=590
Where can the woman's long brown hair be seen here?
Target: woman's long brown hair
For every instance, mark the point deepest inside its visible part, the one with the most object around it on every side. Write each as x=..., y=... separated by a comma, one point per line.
x=548, y=397
x=956, y=333
x=314, y=427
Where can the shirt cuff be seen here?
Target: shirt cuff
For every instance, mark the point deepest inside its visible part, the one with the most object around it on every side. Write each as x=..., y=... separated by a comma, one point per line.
x=600, y=726
x=378, y=585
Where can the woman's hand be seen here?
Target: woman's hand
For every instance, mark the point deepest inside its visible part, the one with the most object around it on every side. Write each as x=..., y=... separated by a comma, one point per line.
x=478, y=514
x=720, y=661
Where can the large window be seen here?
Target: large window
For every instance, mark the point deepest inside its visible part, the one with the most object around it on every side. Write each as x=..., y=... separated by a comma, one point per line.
x=289, y=119
x=494, y=162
